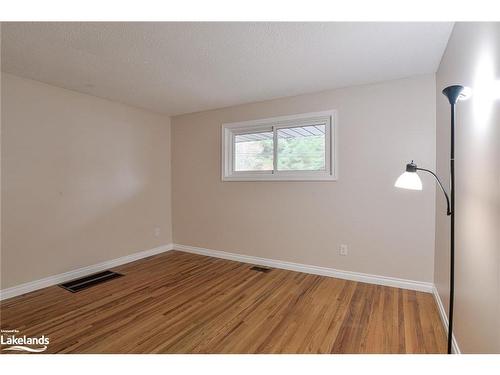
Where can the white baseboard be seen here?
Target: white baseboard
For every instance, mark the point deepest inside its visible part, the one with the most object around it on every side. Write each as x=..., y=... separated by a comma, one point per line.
x=444, y=319
x=316, y=270
x=80, y=272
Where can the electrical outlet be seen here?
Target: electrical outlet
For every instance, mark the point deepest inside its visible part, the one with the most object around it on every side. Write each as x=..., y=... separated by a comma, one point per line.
x=157, y=231
x=343, y=250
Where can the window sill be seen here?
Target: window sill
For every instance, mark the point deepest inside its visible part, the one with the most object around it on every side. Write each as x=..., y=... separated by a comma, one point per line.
x=280, y=178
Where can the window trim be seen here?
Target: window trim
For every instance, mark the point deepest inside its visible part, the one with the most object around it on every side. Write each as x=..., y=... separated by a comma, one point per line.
x=229, y=130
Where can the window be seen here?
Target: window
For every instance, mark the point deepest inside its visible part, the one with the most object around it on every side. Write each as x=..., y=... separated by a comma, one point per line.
x=299, y=147
x=253, y=152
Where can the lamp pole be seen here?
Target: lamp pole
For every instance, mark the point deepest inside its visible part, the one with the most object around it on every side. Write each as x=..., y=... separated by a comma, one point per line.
x=452, y=93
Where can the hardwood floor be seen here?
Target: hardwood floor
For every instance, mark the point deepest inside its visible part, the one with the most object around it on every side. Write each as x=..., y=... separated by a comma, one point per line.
x=183, y=303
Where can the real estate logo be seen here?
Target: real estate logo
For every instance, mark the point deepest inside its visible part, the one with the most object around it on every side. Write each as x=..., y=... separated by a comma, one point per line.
x=22, y=343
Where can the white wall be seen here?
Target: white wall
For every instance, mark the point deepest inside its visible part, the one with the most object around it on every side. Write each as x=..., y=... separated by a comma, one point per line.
x=472, y=58
x=83, y=180
x=389, y=231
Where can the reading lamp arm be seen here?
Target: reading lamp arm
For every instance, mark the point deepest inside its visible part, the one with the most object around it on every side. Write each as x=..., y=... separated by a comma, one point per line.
x=448, y=210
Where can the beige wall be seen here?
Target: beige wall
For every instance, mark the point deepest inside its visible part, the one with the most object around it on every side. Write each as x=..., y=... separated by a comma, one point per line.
x=83, y=180
x=0, y=155
x=389, y=231
x=472, y=58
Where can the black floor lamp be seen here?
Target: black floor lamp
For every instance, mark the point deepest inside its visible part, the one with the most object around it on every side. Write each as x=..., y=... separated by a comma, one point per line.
x=411, y=180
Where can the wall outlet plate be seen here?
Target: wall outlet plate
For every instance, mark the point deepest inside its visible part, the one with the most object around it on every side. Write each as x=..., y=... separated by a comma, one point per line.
x=343, y=250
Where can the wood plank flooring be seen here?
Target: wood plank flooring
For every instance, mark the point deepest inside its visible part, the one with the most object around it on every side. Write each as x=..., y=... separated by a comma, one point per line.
x=184, y=303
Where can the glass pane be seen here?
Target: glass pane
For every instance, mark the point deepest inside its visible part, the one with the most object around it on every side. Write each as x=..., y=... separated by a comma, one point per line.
x=301, y=148
x=253, y=152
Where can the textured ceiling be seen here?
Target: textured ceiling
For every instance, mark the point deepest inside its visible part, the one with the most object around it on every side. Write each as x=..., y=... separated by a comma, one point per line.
x=176, y=68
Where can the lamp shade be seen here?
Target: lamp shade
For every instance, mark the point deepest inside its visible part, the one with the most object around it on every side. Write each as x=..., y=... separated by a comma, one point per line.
x=409, y=180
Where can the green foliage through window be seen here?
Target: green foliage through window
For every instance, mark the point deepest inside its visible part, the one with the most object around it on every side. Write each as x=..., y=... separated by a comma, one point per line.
x=301, y=153
x=298, y=149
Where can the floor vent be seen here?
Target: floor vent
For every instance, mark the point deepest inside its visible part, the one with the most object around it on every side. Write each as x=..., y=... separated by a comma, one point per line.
x=89, y=281
x=260, y=269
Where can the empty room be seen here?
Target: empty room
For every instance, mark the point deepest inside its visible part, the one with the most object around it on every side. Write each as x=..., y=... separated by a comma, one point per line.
x=250, y=188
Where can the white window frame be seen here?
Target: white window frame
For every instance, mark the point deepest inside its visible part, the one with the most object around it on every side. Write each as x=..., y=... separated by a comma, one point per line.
x=230, y=130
